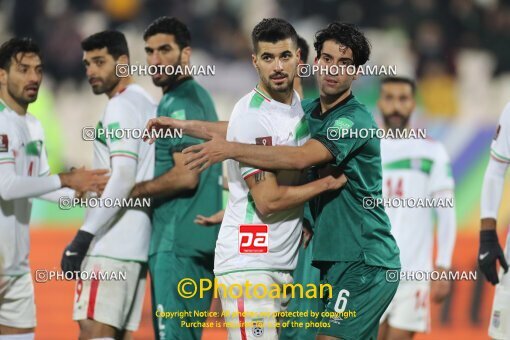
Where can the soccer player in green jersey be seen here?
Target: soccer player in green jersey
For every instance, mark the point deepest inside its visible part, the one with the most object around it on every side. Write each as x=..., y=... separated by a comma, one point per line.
x=179, y=248
x=353, y=246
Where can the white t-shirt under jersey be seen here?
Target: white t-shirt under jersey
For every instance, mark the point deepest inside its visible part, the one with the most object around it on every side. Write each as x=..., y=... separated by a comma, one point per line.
x=257, y=119
x=414, y=168
x=127, y=236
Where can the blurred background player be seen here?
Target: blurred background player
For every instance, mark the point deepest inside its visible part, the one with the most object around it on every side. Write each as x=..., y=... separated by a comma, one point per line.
x=24, y=174
x=490, y=251
x=414, y=168
x=179, y=248
x=114, y=239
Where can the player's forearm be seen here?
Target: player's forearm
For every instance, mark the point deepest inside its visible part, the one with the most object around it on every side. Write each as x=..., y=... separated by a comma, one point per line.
x=169, y=184
x=446, y=232
x=288, y=197
x=55, y=196
x=202, y=129
x=492, y=191
x=14, y=187
x=119, y=186
x=268, y=157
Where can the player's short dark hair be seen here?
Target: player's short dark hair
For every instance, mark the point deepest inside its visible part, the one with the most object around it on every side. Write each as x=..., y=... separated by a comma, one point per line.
x=305, y=50
x=347, y=35
x=402, y=80
x=168, y=25
x=273, y=30
x=13, y=46
x=114, y=41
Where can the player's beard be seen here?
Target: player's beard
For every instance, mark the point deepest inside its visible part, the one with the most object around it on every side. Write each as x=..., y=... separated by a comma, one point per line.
x=171, y=79
x=278, y=88
x=391, y=125
x=19, y=97
x=107, y=85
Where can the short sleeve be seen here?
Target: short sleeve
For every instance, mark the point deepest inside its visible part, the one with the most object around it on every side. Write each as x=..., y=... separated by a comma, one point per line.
x=441, y=177
x=251, y=128
x=120, y=122
x=339, y=137
x=500, y=148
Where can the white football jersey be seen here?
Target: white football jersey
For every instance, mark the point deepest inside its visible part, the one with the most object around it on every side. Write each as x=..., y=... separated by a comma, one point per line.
x=414, y=169
x=127, y=236
x=500, y=149
x=21, y=144
x=274, y=244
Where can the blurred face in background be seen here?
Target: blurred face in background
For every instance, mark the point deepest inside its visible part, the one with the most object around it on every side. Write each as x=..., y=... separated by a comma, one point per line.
x=276, y=64
x=396, y=103
x=334, y=58
x=23, y=78
x=100, y=67
x=162, y=49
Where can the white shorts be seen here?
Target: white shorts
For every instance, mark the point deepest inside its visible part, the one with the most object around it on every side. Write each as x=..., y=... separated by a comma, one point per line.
x=499, y=326
x=243, y=315
x=117, y=303
x=17, y=304
x=410, y=308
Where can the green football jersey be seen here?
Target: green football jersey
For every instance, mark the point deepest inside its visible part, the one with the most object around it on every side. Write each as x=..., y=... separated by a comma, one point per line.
x=344, y=229
x=173, y=228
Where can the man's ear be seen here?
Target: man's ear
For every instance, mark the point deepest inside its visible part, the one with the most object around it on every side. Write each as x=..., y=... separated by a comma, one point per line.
x=3, y=77
x=254, y=61
x=186, y=55
x=123, y=59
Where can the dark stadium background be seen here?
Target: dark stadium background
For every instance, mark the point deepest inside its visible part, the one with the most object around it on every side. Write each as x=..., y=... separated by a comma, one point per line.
x=458, y=51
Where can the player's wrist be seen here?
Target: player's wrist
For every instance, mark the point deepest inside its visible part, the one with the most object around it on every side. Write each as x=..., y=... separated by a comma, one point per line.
x=232, y=151
x=488, y=224
x=488, y=236
x=64, y=179
x=82, y=240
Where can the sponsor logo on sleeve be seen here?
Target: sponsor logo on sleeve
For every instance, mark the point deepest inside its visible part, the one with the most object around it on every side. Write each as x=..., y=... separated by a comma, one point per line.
x=4, y=143
x=267, y=141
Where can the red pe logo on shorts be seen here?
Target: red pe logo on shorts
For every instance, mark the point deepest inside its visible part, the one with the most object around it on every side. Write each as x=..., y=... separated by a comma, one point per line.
x=253, y=238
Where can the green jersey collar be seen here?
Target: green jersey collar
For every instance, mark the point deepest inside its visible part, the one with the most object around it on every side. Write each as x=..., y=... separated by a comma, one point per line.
x=316, y=113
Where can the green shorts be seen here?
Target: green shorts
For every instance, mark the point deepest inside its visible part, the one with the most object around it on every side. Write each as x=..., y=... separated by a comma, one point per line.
x=360, y=295
x=166, y=271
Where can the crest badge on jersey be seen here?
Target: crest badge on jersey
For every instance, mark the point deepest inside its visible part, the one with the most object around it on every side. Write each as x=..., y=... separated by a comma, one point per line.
x=4, y=143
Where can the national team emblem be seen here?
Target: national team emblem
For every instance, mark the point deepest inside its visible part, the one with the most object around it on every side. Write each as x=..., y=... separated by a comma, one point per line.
x=4, y=143
x=497, y=132
x=258, y=329
x=496, y=319
x=266, y=141
x=253, y=238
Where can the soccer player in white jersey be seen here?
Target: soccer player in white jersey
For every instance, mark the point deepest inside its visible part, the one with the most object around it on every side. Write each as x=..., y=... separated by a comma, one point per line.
x=490, y=251
x=24, y=174
x=259, y=237
x=414, y=168
x=114, y=239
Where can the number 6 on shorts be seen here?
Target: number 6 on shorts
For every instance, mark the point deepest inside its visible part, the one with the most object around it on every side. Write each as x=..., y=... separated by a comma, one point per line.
x=341, y=300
